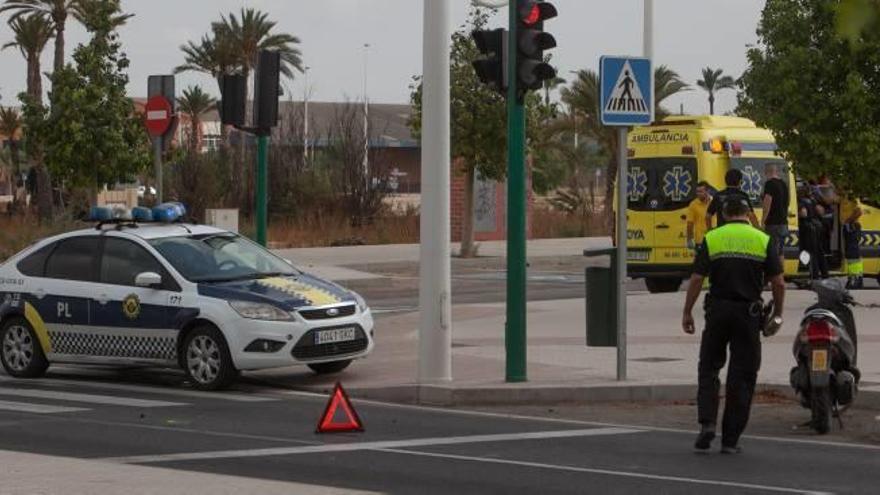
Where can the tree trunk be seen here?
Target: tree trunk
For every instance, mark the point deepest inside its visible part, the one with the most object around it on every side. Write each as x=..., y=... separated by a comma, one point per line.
x=44, y=190
x=711, y=104
x=467, y=215
x=59, y=45
x=195, y=126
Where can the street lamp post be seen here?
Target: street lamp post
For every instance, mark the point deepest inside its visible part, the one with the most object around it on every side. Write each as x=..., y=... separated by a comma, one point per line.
x=435, y=325
x=366, y=119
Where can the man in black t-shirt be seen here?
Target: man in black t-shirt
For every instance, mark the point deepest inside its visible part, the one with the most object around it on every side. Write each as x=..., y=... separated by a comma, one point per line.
x=775, y=208
x=733, y=179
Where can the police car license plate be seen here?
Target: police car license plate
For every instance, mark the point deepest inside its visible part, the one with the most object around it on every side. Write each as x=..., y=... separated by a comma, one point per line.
x=334, y=335
x=820, y=360
x=632, y=255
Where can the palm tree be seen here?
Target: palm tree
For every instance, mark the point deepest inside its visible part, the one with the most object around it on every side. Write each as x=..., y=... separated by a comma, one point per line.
x=251, y=32
x=212, y=55
x=195, y=103
x=713, y=81
x=10, y=125
x=32, y=33
x=56, y=11
x=582, y=97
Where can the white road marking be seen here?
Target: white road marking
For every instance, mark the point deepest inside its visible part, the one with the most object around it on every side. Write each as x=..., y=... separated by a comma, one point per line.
x=386, y=444
x=36, y=408
x=159, y=390
x=625, y=474
x=88, y=398
x=487, y=414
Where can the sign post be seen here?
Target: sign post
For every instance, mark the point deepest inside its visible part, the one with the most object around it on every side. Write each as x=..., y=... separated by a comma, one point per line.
x=160, y=120
x=626, y=99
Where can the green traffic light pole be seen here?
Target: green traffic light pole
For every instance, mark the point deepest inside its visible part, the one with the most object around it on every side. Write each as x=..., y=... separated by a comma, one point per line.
x=515, y=327
x=262, y=185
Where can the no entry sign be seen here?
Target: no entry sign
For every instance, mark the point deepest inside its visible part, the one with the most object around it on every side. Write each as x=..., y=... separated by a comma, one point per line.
x=158, y=111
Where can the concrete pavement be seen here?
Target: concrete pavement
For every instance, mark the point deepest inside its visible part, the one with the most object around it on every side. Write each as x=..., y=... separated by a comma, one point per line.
x=662, y=360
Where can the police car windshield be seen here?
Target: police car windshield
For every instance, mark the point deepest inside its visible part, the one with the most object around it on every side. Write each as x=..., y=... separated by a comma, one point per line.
x=220, y=258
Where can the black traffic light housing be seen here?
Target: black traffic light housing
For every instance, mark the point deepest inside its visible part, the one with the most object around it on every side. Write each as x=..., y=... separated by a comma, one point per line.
x=531, y=41
x=233, y=96
x=492, y=68
x=266, y=90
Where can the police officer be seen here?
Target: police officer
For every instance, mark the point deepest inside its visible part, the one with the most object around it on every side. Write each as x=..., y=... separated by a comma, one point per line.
x=737, y=258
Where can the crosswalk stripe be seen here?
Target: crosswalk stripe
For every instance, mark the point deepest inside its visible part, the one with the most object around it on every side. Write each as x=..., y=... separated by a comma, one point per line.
x=194, y=394
x=88, y=398
x=36, y=408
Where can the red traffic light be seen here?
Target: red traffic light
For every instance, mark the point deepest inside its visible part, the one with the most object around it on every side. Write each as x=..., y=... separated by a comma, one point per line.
x=532, y=12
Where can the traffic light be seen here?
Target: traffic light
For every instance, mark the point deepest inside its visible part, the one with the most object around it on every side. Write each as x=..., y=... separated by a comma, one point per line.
x=531, y=41
x=233, y=93
x=266, y=90
x=492, y=69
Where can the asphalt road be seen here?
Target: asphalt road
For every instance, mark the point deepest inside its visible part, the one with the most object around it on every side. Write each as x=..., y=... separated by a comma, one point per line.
x=259, y=432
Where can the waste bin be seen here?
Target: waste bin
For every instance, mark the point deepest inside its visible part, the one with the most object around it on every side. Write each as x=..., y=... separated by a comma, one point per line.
x=601, y=299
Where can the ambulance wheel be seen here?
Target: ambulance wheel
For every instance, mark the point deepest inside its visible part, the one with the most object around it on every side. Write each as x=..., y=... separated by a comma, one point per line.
x=207, y=360
x=20, y=349
x=330, y=368
x=657, y=285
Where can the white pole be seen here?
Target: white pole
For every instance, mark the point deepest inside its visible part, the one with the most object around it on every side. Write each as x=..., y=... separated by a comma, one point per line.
x=648, y=35
x=435, y=328
x=306, y=118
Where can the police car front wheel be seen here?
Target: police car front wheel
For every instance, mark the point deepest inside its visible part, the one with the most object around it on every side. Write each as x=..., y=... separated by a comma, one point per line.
x=20, y=350
x=207, y=360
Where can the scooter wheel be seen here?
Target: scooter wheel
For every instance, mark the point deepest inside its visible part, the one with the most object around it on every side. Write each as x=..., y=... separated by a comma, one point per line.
x=820, y=405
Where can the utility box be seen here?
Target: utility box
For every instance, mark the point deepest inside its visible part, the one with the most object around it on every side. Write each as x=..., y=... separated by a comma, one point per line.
x=223, y=218
x=601, y=300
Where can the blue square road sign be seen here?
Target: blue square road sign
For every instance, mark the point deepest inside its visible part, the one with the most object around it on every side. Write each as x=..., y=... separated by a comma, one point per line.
x=626, y=91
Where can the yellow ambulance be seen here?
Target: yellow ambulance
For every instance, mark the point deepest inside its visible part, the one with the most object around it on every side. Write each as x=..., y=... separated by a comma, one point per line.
x=666, y=161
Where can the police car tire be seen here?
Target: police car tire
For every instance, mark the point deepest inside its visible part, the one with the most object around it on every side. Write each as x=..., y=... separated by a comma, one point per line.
x=38, y=363
x=226, y=373
x=330, y=368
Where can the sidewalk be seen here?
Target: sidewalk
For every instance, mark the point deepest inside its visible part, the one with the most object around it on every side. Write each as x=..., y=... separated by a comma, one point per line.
x=662, y=361
x=330, y=262
x=30, y=474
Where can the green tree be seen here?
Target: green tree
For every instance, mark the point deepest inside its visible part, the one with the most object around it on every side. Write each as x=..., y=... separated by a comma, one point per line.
x=194, y=103
x=713, y=81
x=582, y=96
x=55, y=11
x=819, y=94
x=32, y=33
x=211, y=55
x=478, y=121
x=91, y=135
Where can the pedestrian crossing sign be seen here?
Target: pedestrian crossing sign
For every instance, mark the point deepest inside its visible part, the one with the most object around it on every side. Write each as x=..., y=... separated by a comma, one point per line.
x=626, y=91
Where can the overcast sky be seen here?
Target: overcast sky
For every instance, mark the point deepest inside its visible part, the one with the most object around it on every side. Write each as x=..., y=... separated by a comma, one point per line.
x=689, y=35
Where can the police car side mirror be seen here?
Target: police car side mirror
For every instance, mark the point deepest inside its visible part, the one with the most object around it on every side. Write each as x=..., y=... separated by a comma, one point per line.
x=148, y=279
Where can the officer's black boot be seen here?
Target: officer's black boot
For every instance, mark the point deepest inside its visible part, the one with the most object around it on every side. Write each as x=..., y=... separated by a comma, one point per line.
x=704, y=438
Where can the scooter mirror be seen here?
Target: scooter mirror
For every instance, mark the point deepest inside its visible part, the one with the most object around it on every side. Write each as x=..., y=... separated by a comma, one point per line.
x=805, y=258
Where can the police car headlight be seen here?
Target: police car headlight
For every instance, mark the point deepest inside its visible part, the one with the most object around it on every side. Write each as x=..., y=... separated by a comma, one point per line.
x=361, y=303
x=259, y=311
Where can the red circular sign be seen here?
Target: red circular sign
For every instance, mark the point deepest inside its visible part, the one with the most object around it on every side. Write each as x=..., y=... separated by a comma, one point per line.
x=158, y=111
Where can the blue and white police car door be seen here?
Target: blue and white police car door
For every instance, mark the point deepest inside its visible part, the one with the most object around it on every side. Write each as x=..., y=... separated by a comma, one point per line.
x=131, y=323
x=60, y=295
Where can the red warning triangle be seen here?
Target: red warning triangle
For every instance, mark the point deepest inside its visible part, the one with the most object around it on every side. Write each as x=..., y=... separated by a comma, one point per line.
x=339, y=402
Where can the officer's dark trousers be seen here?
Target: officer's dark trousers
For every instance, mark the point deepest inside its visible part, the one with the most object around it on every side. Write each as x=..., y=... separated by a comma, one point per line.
x=729, y=323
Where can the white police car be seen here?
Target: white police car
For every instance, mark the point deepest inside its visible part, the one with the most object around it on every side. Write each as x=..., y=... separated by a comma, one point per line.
x=172, y=295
